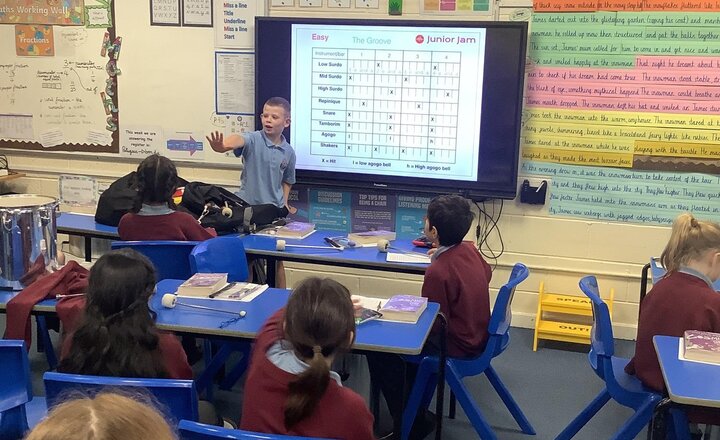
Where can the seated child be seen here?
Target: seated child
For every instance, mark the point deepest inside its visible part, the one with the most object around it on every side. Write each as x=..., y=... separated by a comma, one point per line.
x=104, y=416
x=290, y=388
x=117, y=336
x=683, y=299
x=458, y=279
x=154, y=216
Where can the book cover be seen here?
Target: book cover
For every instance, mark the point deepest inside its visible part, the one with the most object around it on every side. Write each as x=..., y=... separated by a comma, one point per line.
x=405, y=304
x=298, y=229
x=202, y=284
x=702, y=346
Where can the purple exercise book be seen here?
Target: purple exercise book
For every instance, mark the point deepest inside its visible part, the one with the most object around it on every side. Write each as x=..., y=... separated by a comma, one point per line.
x=696, y=340
x=404, y=303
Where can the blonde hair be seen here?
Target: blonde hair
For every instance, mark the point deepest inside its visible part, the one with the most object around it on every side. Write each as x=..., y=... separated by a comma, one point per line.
x=689, y=240
x=107, y=416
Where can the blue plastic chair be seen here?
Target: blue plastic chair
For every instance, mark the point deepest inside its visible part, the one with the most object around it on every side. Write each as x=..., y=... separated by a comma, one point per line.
x=19, y=410
x=625, y=389
x=457, y=369
x=198, y=431
x=178, y=399
x=170, y=258
x=222, y=255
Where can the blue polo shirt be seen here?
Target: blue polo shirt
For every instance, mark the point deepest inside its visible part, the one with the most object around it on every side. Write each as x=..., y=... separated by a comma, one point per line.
x=267, y=166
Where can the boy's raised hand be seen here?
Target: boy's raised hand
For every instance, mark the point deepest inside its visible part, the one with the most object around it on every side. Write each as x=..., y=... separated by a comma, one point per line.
x=217, y=142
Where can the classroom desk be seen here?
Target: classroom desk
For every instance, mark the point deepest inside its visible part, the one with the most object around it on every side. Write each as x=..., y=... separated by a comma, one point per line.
x=263, y=246
x=85, y=226
x=687, y=383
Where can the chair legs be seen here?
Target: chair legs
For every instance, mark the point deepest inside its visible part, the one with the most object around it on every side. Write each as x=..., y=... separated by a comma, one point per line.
x=585, y=415
x=632, y=427
x=13, y=423
x=418, y=394
x=468, y=405
x=510, y=403
x=44, y=336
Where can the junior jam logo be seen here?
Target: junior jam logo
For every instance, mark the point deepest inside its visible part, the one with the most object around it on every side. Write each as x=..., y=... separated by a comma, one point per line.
x=419, y=39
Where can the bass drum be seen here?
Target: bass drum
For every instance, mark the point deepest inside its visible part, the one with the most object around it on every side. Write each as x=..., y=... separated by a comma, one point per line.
x=28, y=239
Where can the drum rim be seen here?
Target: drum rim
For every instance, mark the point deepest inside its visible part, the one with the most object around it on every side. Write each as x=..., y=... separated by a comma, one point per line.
x=52, y=200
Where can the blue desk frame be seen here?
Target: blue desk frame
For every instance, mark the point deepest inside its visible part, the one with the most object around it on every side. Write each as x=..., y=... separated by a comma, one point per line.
x=687, y=383
x=370, y=258
x=85, y=226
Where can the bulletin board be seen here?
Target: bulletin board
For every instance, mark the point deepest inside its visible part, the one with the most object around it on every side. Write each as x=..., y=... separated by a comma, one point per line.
x=54, y=77
x=621, y=109
x=163, y=97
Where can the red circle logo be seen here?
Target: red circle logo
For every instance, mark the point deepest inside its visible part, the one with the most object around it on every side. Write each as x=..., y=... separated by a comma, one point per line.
x=419, y=39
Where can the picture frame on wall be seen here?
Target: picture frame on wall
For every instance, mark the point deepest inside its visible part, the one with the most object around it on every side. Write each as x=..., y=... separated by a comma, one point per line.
x=165, y=13
x=197, y=13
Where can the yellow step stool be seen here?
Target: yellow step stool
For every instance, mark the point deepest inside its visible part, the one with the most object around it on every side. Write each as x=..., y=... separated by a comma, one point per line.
x=566, y=318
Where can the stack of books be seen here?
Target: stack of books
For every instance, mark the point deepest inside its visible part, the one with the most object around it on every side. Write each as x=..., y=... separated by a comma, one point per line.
x=371, y=237
x=400, y=308
x=702, y=346
x=290, y=230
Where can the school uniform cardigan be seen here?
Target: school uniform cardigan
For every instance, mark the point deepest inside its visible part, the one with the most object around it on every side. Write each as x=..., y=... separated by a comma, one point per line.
x=458, y=279
x=678, y=302
x=340, y=413
x=176, y=225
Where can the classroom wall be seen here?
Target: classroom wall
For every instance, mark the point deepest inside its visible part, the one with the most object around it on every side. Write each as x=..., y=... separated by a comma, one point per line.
x=558, y=250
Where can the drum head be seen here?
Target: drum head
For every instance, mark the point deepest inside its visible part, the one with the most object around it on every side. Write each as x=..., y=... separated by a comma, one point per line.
x=25, y=201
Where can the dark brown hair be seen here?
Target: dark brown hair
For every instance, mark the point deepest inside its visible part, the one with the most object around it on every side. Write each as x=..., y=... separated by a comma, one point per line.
x=451, y=216
x=319, y=320
x=156, y=180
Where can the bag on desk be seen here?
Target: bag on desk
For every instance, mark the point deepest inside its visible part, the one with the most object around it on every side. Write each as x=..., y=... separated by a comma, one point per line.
x=118, y=199
x=207, y=201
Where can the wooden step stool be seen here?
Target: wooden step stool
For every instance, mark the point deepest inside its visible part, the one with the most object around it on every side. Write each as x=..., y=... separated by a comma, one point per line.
x=566, y=318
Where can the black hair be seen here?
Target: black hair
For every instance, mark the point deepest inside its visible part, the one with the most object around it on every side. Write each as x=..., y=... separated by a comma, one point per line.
x=278, y=101
x=156, y=180
x=319, y=320
x=451, y=216
x=117, y=334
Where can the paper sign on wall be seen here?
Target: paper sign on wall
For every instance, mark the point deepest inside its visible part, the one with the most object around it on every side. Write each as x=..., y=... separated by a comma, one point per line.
x=234, y=83
x=34, y=40
x=78, y=190
x=140, y=142
x=185, y=145
x=235, y=23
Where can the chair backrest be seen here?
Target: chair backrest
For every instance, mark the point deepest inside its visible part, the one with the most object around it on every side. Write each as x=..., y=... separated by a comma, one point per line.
x=224, y=254
x=15, y=384
x=170, y=257
x=177, y=399
x=198, y=431
x=502, y=311
x=601, y=335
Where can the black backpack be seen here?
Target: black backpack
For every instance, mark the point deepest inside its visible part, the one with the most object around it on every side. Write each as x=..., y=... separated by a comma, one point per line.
x=118, y=199
x=207, y=202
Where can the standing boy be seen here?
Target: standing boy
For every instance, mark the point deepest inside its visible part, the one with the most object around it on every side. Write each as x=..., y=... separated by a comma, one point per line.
x=269, y=160
x=458, y=279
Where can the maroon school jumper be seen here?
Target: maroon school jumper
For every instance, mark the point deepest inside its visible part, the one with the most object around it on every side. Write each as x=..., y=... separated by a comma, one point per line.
x=677, y=303
x=174, y=226
x=459, y=281
x=340, y=413
x=171, y=352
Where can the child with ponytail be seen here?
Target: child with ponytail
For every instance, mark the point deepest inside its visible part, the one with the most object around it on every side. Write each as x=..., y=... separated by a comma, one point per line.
x=290, y=388
x=683, y=299
x=154, y=216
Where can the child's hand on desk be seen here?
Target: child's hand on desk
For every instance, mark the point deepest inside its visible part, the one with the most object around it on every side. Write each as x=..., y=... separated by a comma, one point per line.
x=291, y=209
x=357, y=306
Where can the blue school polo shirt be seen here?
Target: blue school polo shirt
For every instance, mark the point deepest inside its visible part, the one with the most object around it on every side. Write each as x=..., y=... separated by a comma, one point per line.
x=267, y=166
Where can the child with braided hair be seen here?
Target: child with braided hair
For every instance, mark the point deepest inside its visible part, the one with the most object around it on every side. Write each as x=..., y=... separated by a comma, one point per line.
x=290, y=388
x=154, y=216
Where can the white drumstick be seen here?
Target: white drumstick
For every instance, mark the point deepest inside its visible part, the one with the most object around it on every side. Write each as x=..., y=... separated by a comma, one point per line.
x=281, y=245
x=169, y=301
x=384, y=246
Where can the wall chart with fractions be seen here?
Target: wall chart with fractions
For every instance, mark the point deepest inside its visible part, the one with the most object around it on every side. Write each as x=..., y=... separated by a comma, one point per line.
x=622, y=108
